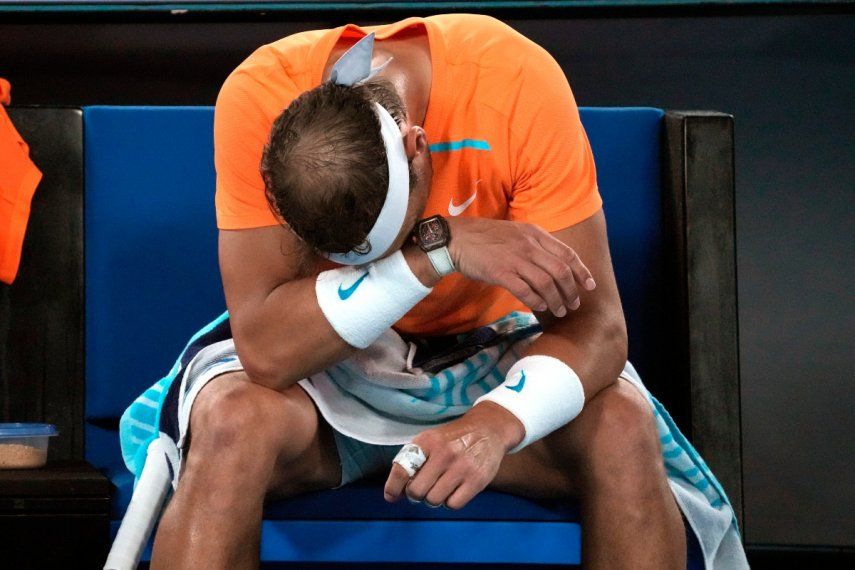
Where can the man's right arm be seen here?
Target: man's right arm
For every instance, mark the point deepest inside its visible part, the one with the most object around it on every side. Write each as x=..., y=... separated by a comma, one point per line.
x=280, y=333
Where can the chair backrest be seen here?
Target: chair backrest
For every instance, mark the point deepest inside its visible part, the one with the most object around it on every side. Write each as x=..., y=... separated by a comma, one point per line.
x=151, y=270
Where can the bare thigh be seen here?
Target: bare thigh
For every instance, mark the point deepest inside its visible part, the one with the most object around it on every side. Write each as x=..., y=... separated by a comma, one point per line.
x=557, y=466
x=286, y=425
x=539, y=472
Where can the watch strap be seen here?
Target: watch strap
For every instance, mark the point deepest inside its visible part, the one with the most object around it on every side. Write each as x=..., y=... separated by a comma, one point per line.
x=441, y=261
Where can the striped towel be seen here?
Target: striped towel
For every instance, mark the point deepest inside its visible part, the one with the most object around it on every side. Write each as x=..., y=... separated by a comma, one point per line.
x=389, y=392
x=162, y=412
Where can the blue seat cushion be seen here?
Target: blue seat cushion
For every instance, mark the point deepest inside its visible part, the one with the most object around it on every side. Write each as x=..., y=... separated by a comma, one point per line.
x=351, y=523
x=364, y=500
x=152, y=276
x=408, y=542
x=360, y=500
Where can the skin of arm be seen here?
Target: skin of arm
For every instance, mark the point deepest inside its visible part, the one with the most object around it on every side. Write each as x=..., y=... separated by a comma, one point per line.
x=269, y=283
x=591, y=339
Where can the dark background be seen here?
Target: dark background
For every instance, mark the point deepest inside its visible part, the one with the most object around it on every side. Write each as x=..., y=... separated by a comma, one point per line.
x=788, y=77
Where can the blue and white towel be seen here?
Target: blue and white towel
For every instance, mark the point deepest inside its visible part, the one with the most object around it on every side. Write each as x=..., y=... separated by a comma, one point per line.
x=382, y=395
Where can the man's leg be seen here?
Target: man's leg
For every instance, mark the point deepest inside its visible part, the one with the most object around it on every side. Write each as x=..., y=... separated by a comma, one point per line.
x=247, y=443
x=609, y=458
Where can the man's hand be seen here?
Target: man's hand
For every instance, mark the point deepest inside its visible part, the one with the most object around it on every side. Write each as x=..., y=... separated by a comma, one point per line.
x=463, y=457
x=538, y=269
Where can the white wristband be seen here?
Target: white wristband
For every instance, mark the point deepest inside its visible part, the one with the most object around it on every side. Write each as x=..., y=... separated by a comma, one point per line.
x=542, y=392
x=363, y=301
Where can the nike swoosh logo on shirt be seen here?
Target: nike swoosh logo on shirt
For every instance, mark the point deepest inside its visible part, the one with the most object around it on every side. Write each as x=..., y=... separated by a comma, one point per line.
x=519, y=385
x=457, y=210
x=345, y=293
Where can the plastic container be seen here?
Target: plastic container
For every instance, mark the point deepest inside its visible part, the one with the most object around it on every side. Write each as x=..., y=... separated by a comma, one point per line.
x=24, y=446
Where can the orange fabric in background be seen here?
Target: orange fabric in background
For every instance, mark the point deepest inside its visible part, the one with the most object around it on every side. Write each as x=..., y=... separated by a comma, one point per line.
x=19, y=178
x=501, y=120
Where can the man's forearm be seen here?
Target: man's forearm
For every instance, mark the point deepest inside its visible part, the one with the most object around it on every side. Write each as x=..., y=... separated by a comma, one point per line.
x=287, y=337
x=591, y=340
x=594, y=349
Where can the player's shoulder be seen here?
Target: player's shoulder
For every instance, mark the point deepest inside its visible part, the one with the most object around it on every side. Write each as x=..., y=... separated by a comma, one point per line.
x=470, y=23
x=483, y=39
x=275, y=69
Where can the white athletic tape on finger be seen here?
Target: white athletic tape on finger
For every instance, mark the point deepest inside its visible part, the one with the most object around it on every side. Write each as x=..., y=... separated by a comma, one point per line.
x=543, y=392
x=411, y=458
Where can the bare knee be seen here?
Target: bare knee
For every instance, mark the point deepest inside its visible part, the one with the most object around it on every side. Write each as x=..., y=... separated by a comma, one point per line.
x=622, y=450
x=233, y=416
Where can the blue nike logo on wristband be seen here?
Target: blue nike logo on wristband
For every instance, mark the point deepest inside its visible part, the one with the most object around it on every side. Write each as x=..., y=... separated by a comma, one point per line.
x=343, y=294
x=520, y=384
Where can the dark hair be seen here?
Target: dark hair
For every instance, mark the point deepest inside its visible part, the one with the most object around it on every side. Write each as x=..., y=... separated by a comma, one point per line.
x=324, y=167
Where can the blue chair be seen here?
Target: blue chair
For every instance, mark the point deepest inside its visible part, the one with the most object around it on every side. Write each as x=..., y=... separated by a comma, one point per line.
x=152, y=280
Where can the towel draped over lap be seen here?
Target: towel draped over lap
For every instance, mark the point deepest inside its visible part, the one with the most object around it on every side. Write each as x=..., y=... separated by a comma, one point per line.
x=398, y=387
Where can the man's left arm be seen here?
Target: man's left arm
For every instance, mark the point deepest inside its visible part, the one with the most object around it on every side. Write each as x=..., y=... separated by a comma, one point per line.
x=591, y=339
x=554, y=185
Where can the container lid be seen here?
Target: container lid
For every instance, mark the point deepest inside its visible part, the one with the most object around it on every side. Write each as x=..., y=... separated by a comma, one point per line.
x=25, y=430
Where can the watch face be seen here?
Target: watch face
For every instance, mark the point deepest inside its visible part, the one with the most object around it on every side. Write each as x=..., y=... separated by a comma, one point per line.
x=431, y=234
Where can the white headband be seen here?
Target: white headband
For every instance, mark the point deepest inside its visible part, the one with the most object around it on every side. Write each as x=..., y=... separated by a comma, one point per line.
x=353, y=68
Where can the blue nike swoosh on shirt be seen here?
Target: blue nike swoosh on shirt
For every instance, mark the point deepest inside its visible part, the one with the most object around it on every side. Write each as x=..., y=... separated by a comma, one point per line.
x=345, y=293
x=519, y=385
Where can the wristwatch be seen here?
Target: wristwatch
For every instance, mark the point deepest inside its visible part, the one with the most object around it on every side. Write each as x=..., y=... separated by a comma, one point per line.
x=432, y=235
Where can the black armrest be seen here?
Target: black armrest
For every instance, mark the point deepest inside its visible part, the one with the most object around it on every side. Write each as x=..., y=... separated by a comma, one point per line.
x=699, y=218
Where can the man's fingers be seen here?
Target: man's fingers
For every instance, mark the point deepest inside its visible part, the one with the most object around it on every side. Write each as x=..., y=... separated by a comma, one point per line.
x=396, y=483
x=562, y=275
x=543, y=284
x=569, y=256
x=425, y=478
x=582, y=274
x=443, y=489
x=522, y=291
x=462, y=495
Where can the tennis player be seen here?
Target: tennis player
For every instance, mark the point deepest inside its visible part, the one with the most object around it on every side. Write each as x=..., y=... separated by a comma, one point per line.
x=429, y=177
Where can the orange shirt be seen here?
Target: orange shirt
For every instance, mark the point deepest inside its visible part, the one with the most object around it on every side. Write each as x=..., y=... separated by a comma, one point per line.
x=18, y=180
x=506, y=142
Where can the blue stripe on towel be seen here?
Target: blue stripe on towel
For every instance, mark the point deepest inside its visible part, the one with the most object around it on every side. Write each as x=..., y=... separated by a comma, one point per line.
x=708, y=484
x=671, y=454
x=133, y=446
